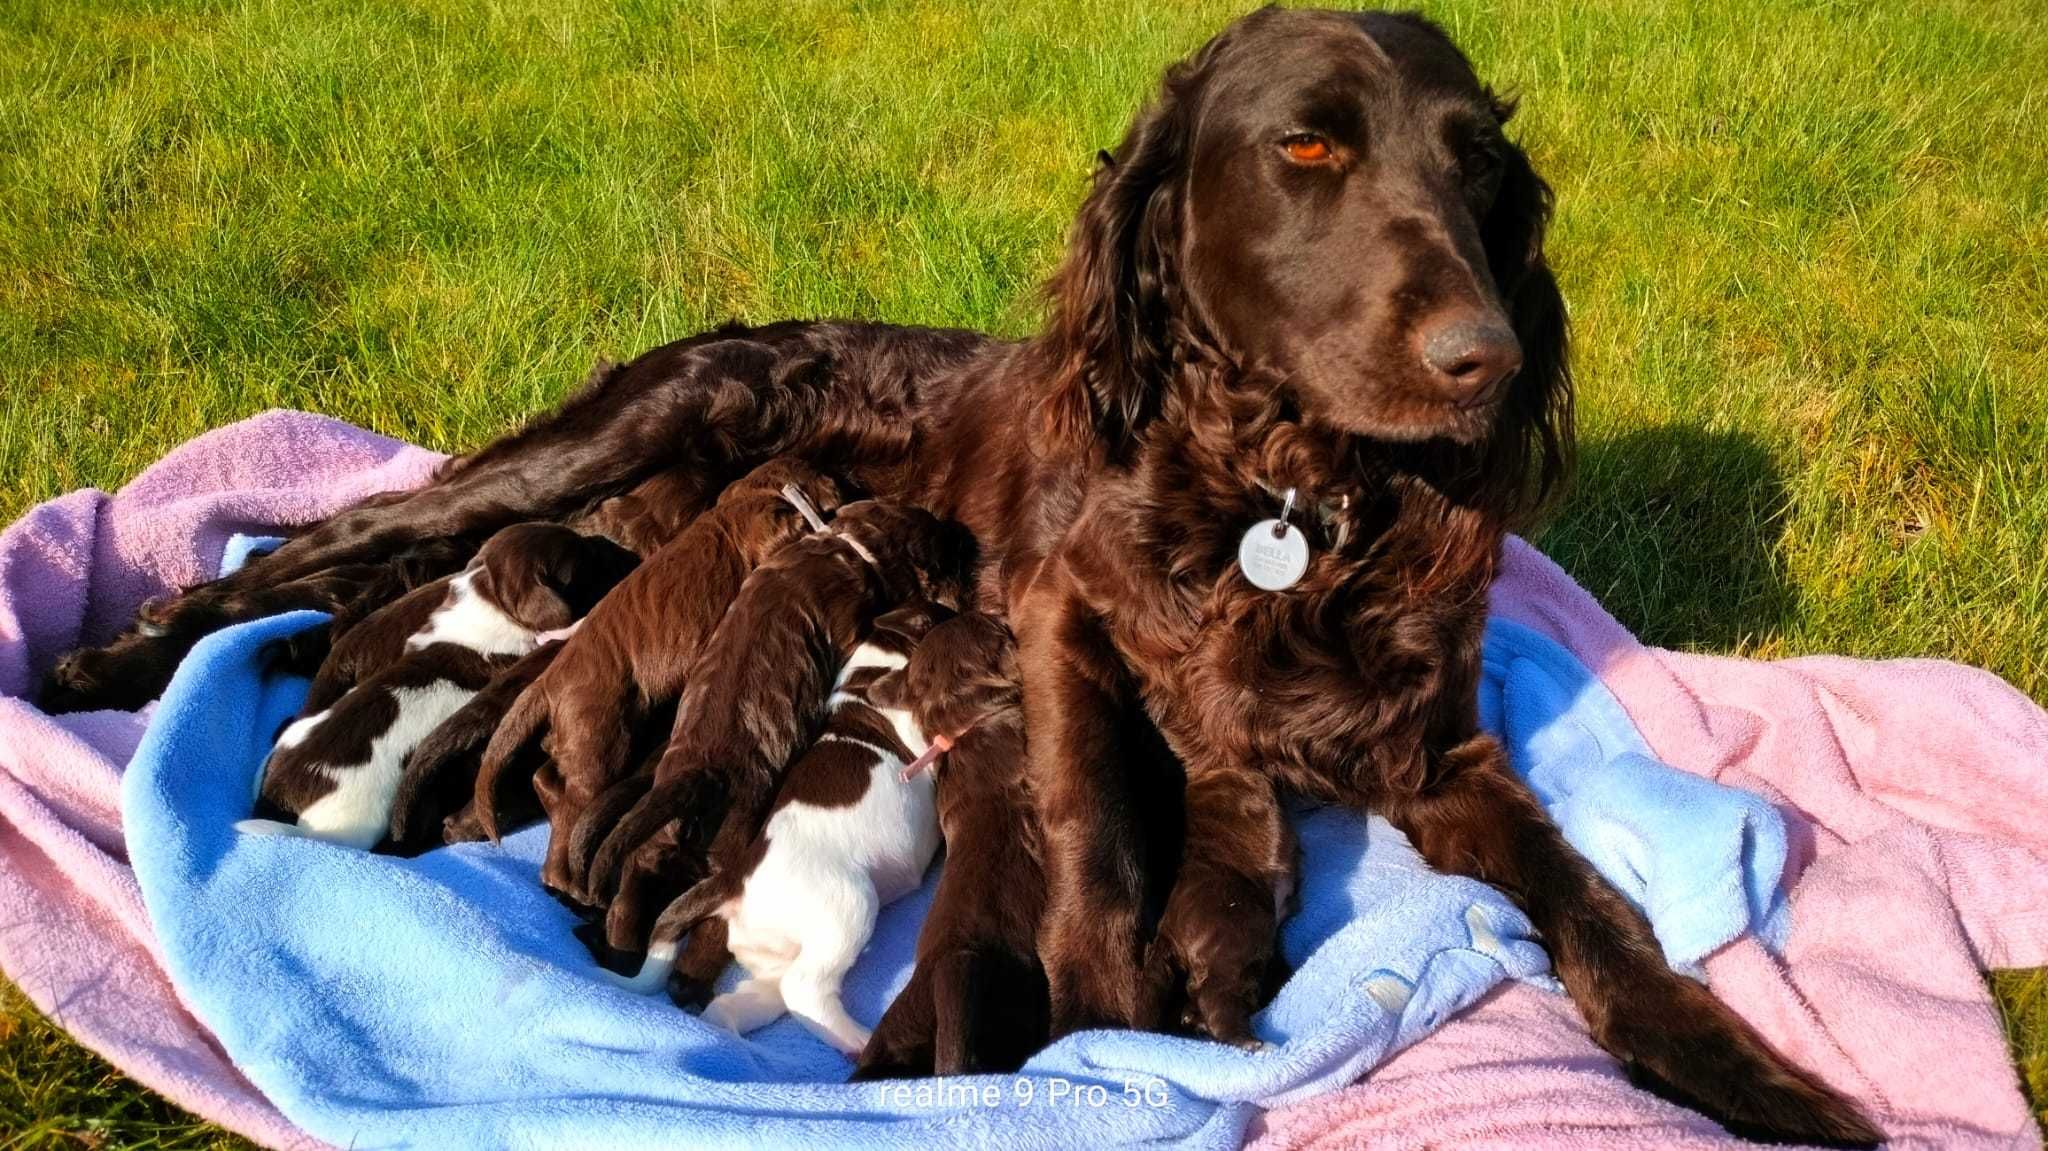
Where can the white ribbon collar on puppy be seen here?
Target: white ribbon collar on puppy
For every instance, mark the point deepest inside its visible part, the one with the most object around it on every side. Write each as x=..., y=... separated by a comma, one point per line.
x=796, y=499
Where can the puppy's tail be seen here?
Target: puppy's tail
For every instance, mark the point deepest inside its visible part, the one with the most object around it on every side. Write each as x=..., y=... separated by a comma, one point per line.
x=688, y=910
x=519, y=730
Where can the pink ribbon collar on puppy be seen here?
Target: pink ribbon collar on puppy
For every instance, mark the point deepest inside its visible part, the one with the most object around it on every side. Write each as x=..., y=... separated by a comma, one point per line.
x=939, y=746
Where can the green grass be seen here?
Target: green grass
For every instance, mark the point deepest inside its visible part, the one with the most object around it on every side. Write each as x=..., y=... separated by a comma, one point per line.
x=1806, y=246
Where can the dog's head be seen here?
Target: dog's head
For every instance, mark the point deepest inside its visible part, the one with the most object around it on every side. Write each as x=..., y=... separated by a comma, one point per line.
x=964, y=671
x=546, y=576
x=1327, y=203
x=768, y=481
x=920, y=556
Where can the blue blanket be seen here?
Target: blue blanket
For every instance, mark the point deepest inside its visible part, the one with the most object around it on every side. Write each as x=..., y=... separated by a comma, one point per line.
x=441, y=1002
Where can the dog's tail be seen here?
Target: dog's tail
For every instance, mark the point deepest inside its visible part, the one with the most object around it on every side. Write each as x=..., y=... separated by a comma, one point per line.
x=524, y=723
x=692, y=907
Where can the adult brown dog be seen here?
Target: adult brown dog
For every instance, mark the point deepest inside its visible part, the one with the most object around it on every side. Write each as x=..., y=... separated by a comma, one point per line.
x=1314, y=263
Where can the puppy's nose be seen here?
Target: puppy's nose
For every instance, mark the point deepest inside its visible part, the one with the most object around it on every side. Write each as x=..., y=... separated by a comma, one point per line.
x=1471, y=356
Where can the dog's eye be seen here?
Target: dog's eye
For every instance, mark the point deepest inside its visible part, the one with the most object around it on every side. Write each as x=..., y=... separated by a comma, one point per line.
x=1479, y=168
x=1306, y=147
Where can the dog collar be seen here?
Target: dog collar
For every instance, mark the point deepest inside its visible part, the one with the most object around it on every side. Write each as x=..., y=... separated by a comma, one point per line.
x=860, y=549
x=794, y=497
x=1333, y=514
x=939, y=746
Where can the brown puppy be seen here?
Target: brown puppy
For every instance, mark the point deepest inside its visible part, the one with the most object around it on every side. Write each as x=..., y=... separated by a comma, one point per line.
x=757, y=695
x=629, y=658
x=977, y=1001
x=337, y=768
x=441, y=775
x=645, y=519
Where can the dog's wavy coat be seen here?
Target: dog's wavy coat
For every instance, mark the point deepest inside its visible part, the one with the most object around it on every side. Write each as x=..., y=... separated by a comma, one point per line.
x=1315, y=263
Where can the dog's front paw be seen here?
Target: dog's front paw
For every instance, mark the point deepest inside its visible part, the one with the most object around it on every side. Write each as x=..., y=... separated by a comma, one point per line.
x=123, y=676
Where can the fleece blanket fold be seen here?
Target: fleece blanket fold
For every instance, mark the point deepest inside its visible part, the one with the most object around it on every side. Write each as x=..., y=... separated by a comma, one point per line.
x=1910, y=796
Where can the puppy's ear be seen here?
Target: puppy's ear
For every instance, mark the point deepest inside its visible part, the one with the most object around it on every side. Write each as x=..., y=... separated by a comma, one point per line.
x=1528, y=458
x=521, y=578
x=1113, y=296
x=537, y=606
x=890, y=690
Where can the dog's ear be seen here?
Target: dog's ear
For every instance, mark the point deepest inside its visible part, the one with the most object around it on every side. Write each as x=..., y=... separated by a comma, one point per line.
x=1113, y=296
x=891, y=689
x=528, y=591
x=1528, y=458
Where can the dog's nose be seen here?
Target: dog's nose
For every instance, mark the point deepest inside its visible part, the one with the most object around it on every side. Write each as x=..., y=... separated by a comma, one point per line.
x=1471, y=356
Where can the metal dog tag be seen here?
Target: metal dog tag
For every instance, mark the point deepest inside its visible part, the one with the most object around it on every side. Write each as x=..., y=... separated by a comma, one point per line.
x=1273, y=554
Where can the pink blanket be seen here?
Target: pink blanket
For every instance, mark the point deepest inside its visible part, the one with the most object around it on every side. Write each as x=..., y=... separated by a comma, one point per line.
x=1917, y=792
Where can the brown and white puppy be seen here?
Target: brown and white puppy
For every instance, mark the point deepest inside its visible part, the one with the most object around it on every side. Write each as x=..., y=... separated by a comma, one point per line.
x=851, y=831
x=336, y=769
x=977, y=1001
x=377, y=641
x=433, y=804
x=628, y=660
x=757, y=695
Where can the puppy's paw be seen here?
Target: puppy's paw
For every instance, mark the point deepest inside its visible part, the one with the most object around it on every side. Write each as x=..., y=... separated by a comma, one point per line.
x=299, y=654
x=462, y=827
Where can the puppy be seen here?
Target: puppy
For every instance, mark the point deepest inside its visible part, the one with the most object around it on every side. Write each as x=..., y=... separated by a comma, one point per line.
x=433, y=805
x=646, y=517
x=434, y=799
x=757, y=695
x=851, y=831
x=977, y=1000
x=358, y=649
x=337, y=769
x=628, y=659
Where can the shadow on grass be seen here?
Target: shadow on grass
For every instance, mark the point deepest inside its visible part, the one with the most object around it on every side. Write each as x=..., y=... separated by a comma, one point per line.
x=1675, y=530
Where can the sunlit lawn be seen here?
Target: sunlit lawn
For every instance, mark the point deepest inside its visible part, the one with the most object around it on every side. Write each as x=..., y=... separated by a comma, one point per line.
x=1806, y=247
